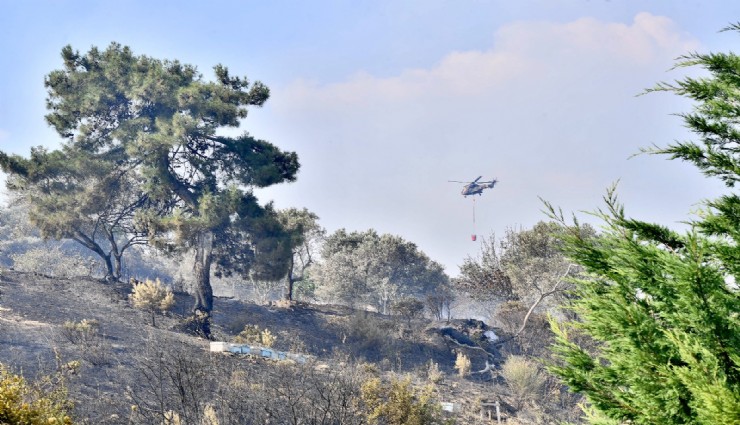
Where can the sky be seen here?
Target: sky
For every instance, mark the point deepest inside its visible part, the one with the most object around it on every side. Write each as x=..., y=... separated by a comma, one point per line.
x=385, y=101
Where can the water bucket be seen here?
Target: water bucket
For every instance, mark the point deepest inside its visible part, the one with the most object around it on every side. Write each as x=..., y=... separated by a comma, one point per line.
x=473, y=237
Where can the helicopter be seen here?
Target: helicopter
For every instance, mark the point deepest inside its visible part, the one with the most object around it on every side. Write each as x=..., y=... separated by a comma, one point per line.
x=475, y=187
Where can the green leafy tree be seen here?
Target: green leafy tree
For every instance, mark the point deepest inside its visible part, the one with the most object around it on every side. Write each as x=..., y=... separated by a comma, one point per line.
x=306, y=236
x=526, y=267
x=483, y=276
x=159, y=123
x=368, y=267
x=657, y=340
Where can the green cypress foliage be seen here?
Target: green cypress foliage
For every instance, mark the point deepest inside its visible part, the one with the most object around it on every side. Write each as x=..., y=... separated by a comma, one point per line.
x=657, y=339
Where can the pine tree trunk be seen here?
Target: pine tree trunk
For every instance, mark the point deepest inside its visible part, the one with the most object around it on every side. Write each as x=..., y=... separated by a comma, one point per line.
x=201, y=319
x=288, y=291
x=202, y=272
x=115, y=272
x=108, y=266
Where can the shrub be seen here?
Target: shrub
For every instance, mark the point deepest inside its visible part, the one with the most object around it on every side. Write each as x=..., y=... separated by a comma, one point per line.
x=462, y=364
x=171, y=418
x=198, y=324
x=305, y=289
x=409, y=308
x=253, y=335
x=22, y=403
x=523, y=378
x=433, y=373
x=86, y=335
x=399, y=403
x=210, y=417
x=268, y=339
x=152, y=295
x=82, y=332
x=371, y=336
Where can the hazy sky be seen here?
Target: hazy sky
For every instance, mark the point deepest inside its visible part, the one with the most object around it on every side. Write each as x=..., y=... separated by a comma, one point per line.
x=384, y=101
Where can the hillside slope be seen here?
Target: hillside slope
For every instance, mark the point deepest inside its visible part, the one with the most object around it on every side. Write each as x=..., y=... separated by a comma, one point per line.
x=106, y=362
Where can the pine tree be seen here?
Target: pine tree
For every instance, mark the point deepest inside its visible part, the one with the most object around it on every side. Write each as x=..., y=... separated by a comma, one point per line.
x=159, y=123
x=657, y=339
x=73, y=194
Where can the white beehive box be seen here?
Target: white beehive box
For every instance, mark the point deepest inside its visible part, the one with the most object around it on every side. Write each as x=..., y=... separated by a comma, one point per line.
x=219, y=346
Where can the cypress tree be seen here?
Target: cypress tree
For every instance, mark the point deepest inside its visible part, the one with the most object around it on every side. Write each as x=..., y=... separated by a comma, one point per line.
x=657, y=338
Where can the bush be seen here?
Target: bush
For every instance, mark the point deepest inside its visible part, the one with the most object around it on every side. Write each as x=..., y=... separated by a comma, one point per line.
x=433, y=373
x=399, y=403
x=198, y=324
x=152, y=295
x=86, y=335
x=264, y=290
x=42, y=403
x=210, y=417
x=253, y=335
x=462, y=364
x=371, y=336
x=524, y=379
x=82, y=332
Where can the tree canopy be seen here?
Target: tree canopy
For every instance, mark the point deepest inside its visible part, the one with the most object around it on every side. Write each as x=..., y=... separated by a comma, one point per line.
x=522, y=265
x=157, y=124
x=657, y=339
x=70, y=194
x=376, y=269
x=525, y=271
x=306, y=235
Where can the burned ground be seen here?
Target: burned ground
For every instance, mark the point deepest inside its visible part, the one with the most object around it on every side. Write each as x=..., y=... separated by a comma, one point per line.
x=104, y=368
